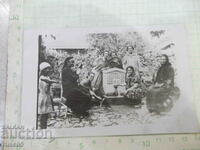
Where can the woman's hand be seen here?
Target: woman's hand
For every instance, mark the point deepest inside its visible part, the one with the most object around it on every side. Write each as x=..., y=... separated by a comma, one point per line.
x=92, y=93
x=158, y=85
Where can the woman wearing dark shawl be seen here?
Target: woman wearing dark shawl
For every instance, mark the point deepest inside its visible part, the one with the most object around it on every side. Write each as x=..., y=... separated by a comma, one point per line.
x=69, y=77
x=115, y=61
x=158, y=94
x=77, y=98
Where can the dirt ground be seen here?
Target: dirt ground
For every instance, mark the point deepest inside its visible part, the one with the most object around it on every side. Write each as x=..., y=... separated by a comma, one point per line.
x=105, y=116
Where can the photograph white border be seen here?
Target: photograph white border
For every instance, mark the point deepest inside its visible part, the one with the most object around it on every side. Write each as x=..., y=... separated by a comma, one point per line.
x=186, y=114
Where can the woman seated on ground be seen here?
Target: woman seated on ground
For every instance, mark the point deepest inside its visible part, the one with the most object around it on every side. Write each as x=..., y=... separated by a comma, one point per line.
x=134, y=90
x=78, y=99
x=158, y=94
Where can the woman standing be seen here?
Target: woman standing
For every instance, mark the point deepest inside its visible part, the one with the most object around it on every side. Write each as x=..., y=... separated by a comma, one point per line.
x=158, y=94
x=100, y=64
x=131, y=59
x=45, y=105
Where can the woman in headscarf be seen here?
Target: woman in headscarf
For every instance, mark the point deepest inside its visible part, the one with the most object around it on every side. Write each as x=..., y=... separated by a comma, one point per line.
x=115, y=61
x=69, y=77
x=78, y=98
x=45, y=105
x=134, y=90
x=158, y=94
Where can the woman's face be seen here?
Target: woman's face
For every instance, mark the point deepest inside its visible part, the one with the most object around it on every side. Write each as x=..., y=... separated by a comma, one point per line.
x=129, y=71
x=114, y=54
x=70, y=63
x=47, y=71
x=91, y=76
x=105, y=54
x=163, y=60
x=130, y=50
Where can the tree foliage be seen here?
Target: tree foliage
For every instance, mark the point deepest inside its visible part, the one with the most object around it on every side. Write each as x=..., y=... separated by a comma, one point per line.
x=117, y=42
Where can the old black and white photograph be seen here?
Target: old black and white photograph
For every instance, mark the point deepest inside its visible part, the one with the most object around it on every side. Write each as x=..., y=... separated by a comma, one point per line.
x=108, y=81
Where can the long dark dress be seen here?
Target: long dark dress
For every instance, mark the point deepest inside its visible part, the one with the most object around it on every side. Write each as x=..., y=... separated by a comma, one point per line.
x=78, y=97
x=69, y=81
x=158, y=97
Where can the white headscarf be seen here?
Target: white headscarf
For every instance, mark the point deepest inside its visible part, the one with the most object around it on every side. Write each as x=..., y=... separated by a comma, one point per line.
x=44, y=65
